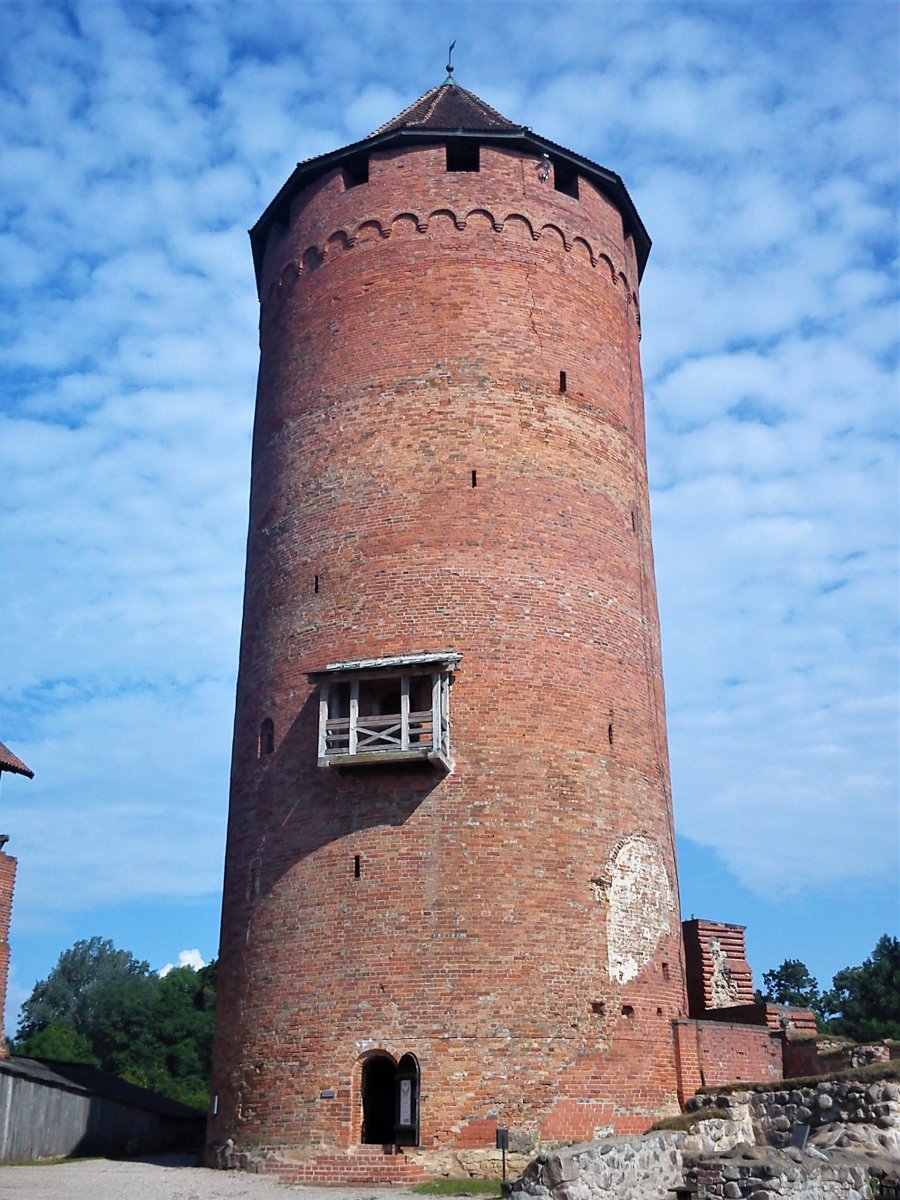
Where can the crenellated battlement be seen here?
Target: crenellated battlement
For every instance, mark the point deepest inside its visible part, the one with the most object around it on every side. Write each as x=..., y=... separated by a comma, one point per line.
x=516, y=225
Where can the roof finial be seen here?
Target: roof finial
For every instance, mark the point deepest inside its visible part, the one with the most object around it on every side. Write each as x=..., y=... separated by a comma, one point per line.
x=449, y=78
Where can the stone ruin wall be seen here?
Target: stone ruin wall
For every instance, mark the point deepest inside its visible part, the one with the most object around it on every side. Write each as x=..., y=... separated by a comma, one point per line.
x=835, y=1113
x=819, y=1057
x=743, y=1151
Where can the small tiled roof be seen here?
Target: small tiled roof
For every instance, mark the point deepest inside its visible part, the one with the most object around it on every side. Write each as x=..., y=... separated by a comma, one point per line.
x=447, y=107
x=10, y=762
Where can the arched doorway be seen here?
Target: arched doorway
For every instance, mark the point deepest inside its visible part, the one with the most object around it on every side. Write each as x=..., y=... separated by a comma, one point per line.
x=378, y=1086
x=390, y=1101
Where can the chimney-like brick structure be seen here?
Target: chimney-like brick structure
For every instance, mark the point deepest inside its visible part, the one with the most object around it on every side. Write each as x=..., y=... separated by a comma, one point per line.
x=718, y=974
x=475, y=924
x=10, y=764
x=7, y=885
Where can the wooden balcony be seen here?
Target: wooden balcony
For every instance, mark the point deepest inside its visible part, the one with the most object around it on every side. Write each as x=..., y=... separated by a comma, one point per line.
x=359, y=721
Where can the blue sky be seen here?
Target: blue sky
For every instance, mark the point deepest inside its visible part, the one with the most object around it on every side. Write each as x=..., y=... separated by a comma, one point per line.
x=141, y=140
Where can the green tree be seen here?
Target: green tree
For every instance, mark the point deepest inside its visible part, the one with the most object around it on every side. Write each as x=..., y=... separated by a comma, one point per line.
x=124, y=1033
x=864, y=1001
x=72, y=991
x=58, y=1041
x=102, y=1006
x=184, y=1017
x=792, y=984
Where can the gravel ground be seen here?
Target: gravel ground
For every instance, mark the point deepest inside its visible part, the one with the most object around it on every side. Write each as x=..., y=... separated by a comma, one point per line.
x=168, y=1177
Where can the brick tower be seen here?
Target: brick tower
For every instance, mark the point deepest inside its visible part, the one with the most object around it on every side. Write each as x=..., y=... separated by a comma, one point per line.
x=450, y=888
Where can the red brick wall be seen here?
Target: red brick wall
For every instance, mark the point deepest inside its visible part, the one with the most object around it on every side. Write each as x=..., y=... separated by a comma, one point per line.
x=713, y=1054
x=7, y=884
x=413, y=330
x=687, y=1058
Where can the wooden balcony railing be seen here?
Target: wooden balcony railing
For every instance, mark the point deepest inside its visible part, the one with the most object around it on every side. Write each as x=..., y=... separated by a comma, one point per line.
x=388, y=732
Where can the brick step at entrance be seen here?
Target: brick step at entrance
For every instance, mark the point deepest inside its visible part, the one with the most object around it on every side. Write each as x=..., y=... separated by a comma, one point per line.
x=370, y=1166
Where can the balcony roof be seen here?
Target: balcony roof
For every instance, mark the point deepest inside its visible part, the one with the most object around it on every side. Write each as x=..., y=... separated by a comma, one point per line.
x=448, y=659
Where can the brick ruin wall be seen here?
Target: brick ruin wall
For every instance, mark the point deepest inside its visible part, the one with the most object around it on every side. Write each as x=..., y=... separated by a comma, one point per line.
x=808, y=1057
x=718, y=974
x=514, y=924
x=729, y=1036
x=7, y=884
x=713, y=1054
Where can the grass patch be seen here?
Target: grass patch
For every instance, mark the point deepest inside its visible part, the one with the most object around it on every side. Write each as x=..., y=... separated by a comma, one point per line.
x=458, y=1187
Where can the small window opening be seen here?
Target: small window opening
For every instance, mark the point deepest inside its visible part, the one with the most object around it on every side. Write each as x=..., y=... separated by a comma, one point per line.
x=598, y=1007
x=609, y=732
x=474, y=478
x=356, y=171
x=665, y=970
x=659, y=1011
x=562, y=381
x=316, y=584
x=357, y=867
x=627, y=1010
x=266, y=737
x=633, y=521
x=565, y=178
x=463, y=155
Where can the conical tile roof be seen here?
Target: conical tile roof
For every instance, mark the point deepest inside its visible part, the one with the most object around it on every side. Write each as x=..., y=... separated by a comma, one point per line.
x=439, y=115
x=447, y=107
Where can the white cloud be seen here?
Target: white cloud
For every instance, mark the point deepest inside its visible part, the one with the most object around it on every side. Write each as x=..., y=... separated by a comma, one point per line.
x=186, y=958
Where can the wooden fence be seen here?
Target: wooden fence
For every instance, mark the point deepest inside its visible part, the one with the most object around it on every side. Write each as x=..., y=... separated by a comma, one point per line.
x=54, y=1110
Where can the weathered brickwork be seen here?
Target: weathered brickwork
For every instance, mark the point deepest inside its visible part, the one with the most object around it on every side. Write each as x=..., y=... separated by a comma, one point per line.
x=423, y=479
x=713, y=1054
x=7, y=884
x=718, y=974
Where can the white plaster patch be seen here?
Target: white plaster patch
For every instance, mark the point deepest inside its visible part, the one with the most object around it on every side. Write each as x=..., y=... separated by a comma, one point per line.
x=640, y=907
x=723, y=985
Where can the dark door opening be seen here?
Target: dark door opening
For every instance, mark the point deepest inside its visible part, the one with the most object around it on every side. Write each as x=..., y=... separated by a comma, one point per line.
x=378, y=1090
x=390, y=1101
x=407, y=1091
